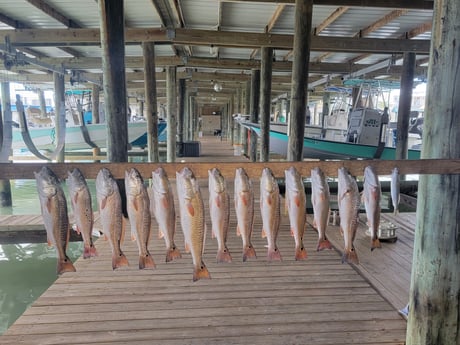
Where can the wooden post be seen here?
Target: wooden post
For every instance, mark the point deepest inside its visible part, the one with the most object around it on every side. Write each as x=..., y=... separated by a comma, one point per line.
x=95, y=103
x=5, y=144
x=181, y=112
x=41, y=99
x=301, y=48
x=325, y=111
x=244, y=131
x=59, y=109
x=434, y=304
x=231, y=111
x=171, y=95
x=113, y=62
x=254, y=111
x=265, y=101
x=150, y=85
x=405, y=101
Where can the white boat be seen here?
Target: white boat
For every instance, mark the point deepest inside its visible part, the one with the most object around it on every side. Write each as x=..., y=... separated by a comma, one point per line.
x=44, y=138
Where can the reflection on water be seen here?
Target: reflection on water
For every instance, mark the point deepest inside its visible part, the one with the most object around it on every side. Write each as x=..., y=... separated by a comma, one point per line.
x=27, y=270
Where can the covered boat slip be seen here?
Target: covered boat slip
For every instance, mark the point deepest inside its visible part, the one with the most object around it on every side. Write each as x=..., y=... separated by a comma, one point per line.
x=317, y=301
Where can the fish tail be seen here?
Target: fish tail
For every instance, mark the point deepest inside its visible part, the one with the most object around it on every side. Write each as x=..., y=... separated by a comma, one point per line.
x=375, y=244
x=119, y=261
x=223, y=256
x=323, y=244
x=89, y=251
x=65, y=265
x=350, y=257
x=173, y=253
x=146, y=261
x=201, y=272
x=300, y=253
x=273, y=254
x=248, y=253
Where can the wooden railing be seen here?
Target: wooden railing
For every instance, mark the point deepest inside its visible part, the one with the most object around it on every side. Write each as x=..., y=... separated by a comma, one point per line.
x=254, y=170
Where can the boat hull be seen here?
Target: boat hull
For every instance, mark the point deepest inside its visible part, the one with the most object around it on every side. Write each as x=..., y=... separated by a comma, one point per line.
x=44, y=138
x=317, y=148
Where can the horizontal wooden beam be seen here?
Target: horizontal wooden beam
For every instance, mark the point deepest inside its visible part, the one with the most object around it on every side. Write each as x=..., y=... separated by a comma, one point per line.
x=66, y=37
x=409, y=4
x=254, y=170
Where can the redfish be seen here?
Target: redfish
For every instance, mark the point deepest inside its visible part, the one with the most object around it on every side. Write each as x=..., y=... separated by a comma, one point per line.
x=55, y=218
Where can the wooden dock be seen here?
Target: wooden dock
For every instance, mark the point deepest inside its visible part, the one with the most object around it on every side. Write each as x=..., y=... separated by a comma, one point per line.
x=316, y=301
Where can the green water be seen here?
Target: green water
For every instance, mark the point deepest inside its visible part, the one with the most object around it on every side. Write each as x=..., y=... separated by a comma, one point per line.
x=27, y=270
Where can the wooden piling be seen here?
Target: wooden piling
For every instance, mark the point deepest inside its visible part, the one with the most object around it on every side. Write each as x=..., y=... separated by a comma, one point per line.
x=95, y=103
x=254, y=111
x=405, y=100
x=265, y=101
x=59, y=109
x=434, y=304
x=171, y=95
x=302, y=42
x=150, y=84
x=113, y=62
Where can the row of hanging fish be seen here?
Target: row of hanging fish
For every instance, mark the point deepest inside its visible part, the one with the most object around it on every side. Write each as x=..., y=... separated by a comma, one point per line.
x=160, y=205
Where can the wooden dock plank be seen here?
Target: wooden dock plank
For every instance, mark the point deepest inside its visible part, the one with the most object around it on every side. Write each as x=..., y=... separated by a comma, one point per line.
x=388, y=269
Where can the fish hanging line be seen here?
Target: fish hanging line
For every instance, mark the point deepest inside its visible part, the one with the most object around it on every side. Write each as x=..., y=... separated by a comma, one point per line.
x=60, y=125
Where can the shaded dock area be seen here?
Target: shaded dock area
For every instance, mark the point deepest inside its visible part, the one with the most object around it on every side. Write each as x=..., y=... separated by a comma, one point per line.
x=316, y=301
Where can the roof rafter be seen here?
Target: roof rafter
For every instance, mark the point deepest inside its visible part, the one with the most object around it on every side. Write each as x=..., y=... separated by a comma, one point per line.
x=271, y=23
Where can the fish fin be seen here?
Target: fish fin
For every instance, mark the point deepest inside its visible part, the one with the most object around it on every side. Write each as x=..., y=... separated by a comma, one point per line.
x=350, y=257
x=323, y=244
x=297, y=201
x=187, y=247
x=165, y=203
x=89, y=251
x=48, y=241
x=190, y=209
x=160, y=234
x=292, y=232
x=223, y=256
x=103, y=203
x=341, y=231
x=300, y=253
x=123, y=230
x=245, y=200
x=269, y=200
x=264, y=234
x=135, y=204
x=173, y=253
x=238, y=232
x=65, y=265
x=248, y=253
x=86, y=252
x=274, y=255
x=75, y=198
x=201, y=272
x=146, y=261
x=48, y=205
x=375, y=244
x=213, y=233
x=92, y=251
x=133, y=237
x=218, y=203
x=77, y=230
x=120, y=261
